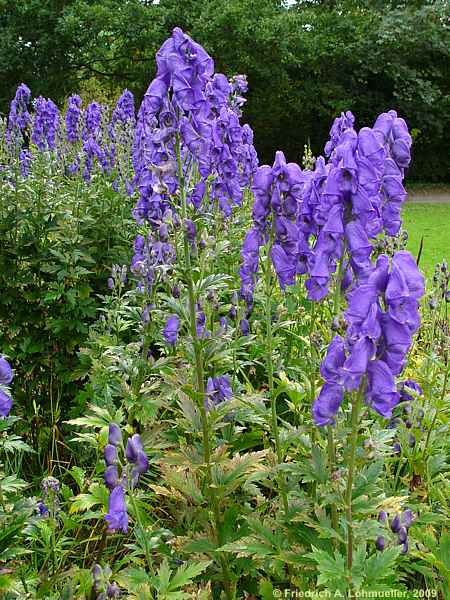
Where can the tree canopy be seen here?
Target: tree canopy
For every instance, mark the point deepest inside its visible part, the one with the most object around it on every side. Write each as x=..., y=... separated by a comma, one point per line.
x=306, y=61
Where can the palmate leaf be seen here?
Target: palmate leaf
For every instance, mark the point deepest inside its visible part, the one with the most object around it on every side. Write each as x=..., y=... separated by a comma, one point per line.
x=12, y=484
x=381, y=565
x=331, y=569
x=98, y=494
x=186, y=573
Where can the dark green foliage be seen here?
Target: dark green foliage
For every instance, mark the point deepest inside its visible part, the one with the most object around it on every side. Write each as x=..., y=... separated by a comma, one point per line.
x=305, y=63
x=58, y=240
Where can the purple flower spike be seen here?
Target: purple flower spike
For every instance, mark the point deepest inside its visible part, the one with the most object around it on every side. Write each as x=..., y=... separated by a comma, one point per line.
x=114, y=435
x=117, y=516
x=6, y=373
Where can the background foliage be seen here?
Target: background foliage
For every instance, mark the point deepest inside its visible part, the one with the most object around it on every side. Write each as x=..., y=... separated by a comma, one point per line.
x=306, y=61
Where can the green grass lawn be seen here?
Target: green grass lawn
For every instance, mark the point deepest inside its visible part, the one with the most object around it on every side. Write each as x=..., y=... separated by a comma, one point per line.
x=432, y=221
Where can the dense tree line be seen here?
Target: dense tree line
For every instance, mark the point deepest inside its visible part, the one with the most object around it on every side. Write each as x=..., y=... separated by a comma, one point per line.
x=306, y=61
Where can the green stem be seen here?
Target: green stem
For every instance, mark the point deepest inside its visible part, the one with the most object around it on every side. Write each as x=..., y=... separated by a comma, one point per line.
x=200, y=386
x=332, y=467
x=269, y=366
x=144, y=538
x=433, y=423
x=356, y=407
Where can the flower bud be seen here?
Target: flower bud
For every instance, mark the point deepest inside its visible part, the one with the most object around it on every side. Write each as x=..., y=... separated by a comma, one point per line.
x=382, y=516
x=114, y=435
x=395, y=524
x=380, y=543
x=402, y=535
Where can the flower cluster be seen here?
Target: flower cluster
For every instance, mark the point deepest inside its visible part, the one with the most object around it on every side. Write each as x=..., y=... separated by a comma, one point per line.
x=73, y=119
x=6, y=377
x=46, y=124
x=381, y=318
x=136, y=464
x=411, y=416
x=218, y=390
x=277, y=192
x=19, y=118
x=351, y=199
x=151, y=253
x=191, y=111
x=93, y=144
x=50, y=487
x=399, y=525
x=102, y=584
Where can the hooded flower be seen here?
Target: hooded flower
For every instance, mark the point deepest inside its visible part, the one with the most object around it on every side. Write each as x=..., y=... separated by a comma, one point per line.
x=5, y=403
x=117, y=516
x=6, y=373
x=171, y=329
x=381, y=317
x=218, y=389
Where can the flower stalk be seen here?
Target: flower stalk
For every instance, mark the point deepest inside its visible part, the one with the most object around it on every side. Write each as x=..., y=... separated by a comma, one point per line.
x=200, y=382
x=357, y=399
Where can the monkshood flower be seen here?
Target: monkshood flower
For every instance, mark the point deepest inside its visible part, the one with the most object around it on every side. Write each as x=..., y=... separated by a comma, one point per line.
x=6, y=377
x=73, y=119
x=135, y=464
x=124, y=110
x=117, y=515
x=218, y=390
x=353, y=198
x=150, y=256
x=43, y=510
x=277, y=192
x=19, y=117
x=136, y=456
x=187, y=107
x=6, y=372
x=103, y=585
x=171, y=328
x=381, y=318
x=46, y=124
x=25, y=160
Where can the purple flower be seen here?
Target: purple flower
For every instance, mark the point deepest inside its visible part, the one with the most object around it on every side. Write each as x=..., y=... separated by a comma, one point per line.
x=326, y=406
x=111, y=476
x=218, y=389
x=73, y=117
x=19, y=118
x=6, y=373
x=395, y=524
x=114, y=435
x=110, y=454
x=43, y=509
x=245, y=327
x=380, y=543
x=190, y=230
x=381, y=391
x=171, y=329
x=5, y=403
x=117, y=516
x=124, y=109
x=46, y=124
x=25, y=160
x=136, y=456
